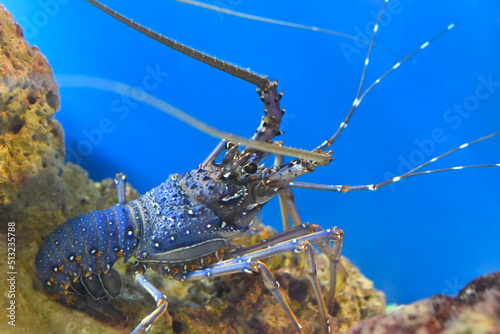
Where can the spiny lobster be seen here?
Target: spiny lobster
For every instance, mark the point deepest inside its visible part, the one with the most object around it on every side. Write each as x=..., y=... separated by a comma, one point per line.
x=237, y=181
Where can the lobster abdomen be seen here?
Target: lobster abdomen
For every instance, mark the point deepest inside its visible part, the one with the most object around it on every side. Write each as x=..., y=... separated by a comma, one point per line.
x=78, y=255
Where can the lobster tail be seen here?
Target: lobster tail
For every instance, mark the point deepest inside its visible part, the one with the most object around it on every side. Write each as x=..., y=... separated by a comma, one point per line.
x=76, y=258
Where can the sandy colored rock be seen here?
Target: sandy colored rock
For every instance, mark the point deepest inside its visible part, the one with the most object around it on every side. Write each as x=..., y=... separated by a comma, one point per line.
x=31, y=141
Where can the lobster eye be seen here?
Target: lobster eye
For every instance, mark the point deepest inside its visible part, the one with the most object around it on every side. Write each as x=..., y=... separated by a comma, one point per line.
x=250, y=168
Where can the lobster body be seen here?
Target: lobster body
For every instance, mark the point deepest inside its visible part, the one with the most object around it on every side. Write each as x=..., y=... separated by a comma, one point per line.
x=84, y=246
x=185, y=218
x=190, y=216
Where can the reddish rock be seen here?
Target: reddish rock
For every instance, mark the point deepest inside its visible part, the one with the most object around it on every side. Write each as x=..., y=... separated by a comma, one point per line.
x=476, y=309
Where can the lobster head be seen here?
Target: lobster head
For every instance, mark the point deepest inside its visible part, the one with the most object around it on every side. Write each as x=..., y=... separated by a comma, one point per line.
x=199, y=212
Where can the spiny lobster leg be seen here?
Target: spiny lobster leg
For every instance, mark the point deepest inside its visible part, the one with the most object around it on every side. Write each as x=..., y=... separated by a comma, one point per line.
x=288, y=208
x=287, y=202
x=299, y=239
x=273, y=286
x=249, y=266
x=269, y=126
x=160, y=299
x=312, y=275
x=120, y=183
x=299, y=232
x=333, y=253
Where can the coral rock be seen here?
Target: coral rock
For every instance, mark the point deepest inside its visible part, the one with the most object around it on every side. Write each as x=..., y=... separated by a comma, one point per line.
x=31, y=141
x=476, y=309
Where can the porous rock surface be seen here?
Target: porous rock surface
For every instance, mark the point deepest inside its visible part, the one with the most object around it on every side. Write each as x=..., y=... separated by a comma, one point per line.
x=475, y=310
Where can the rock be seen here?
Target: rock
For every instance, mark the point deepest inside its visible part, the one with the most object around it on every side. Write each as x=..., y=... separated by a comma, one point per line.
x=476, y=309
x=38, y=192
x=31, y=141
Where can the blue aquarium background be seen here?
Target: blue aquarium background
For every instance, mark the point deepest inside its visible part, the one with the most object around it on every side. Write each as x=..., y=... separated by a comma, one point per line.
x=426, y=235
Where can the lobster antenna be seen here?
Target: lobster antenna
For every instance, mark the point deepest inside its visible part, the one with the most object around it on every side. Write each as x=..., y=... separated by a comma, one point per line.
x=257, y=144
x=124, y=89
x=395, y=66
x=258, y=80
x=285, y=24
x=413, y=172
x=343, y=125
x=359, y=97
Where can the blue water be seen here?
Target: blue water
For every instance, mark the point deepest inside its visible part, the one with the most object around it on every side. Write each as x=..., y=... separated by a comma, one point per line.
x=430, y=234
